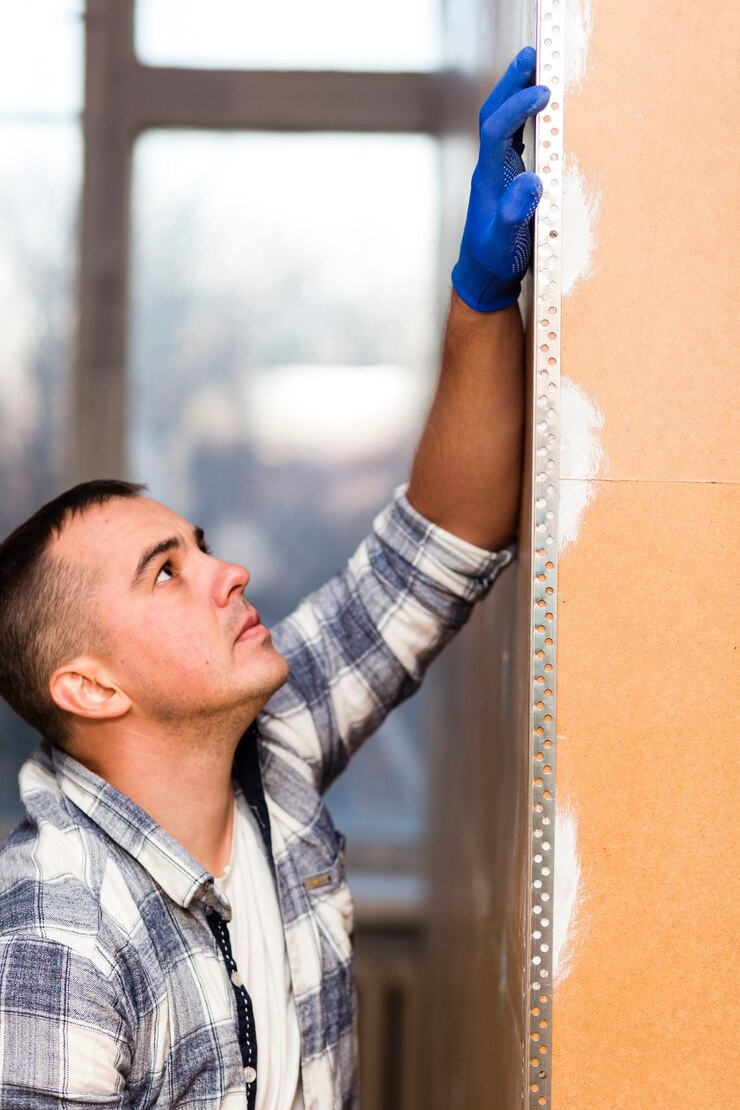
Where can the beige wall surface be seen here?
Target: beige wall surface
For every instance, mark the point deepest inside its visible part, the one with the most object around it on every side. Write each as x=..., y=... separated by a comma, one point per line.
x=647, y=669
x=647, y=628
x=649, y=333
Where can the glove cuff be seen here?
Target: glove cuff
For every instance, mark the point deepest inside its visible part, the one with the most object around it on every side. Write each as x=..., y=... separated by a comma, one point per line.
x=479, y=288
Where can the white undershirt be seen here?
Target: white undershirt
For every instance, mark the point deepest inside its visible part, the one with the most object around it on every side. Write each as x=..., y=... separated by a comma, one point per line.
x=258, y=944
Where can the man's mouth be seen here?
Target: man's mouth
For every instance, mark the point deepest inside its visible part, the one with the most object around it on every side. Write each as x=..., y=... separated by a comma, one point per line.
x=252, y=628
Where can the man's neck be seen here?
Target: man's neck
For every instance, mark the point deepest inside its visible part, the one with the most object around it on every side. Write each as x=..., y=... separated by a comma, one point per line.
x=182, y=781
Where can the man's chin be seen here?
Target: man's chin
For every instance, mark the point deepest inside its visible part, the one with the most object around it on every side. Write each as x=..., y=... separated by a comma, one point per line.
x=273, y=682
x=283, y=675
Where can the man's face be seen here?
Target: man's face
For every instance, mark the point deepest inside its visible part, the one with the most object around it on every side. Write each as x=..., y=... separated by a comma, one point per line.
x=183, y=641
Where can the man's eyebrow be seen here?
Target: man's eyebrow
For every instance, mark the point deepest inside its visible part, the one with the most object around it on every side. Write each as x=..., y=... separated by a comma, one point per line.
x=161, y=548
x=149, y=555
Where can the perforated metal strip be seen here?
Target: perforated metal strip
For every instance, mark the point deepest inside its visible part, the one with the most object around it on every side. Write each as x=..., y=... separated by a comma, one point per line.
x=548, y=163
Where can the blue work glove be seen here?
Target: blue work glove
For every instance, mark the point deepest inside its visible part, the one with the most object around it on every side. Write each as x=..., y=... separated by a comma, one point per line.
x=495, y=248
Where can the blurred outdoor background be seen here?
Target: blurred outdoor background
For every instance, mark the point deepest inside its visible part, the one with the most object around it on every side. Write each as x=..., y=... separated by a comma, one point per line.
x=226, y=230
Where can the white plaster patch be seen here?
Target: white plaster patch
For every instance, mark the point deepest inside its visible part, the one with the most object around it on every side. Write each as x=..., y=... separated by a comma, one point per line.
x=582, y=458
x=574, y=498
x=567, y=895
x=581, y=206
x=578, y=28
x=581, y=453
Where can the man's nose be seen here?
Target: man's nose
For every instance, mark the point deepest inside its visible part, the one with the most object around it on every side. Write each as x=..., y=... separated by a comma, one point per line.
x=230, y=577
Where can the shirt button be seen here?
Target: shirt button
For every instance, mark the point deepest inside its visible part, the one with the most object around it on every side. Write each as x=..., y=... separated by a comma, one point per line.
x=250, y=1075
x=236, y=979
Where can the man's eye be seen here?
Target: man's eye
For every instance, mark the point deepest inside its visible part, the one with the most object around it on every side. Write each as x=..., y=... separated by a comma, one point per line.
x=165, y=571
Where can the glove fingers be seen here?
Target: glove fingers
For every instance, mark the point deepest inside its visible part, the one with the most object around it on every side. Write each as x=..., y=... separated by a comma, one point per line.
x=518, y=76
x=507, y=120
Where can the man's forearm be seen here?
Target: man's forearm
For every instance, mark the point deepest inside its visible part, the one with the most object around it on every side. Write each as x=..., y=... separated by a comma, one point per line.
x=467, y=470
x=466, y=474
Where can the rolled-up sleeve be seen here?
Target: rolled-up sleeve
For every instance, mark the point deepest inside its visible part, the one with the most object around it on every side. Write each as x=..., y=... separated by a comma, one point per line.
x=63, y=1041
x=360, y=645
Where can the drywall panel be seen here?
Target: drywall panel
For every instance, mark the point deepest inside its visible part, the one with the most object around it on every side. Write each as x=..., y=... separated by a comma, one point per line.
x=651, y=236
x=647, y=721
x=647, y=521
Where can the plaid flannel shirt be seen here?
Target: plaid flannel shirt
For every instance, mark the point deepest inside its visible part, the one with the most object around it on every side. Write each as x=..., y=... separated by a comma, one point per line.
x=114, y=977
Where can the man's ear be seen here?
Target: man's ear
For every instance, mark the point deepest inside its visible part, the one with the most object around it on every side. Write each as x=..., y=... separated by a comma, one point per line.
x=85, y=687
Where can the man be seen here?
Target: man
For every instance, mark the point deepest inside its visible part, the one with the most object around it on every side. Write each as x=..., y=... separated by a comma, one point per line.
x=176, y=923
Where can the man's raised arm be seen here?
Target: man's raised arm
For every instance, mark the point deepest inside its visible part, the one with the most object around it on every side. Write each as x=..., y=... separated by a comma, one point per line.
x=466, y=472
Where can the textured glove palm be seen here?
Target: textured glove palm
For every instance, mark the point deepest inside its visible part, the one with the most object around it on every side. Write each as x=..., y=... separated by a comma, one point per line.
x=495, y=248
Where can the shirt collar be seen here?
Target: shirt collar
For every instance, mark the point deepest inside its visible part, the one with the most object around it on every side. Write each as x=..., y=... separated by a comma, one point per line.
x=130, y=827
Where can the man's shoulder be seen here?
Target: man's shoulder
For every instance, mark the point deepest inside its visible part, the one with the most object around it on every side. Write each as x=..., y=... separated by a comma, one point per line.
x=55, y=842
x=63, y=883
x=50, y=879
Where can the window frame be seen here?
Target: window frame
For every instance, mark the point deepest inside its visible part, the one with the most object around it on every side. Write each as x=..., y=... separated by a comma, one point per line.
x=123, y=98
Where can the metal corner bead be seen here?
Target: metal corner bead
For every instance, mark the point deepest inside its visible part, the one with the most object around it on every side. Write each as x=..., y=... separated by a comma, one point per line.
x=545, y=414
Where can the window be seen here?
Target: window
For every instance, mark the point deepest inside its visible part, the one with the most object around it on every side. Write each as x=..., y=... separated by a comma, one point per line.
x=291, y=34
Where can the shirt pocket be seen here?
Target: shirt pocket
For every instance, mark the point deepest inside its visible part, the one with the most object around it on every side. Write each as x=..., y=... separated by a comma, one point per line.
x=331, y=902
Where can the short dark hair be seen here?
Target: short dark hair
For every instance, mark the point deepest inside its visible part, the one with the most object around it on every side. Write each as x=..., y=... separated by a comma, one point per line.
x=46, y=611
